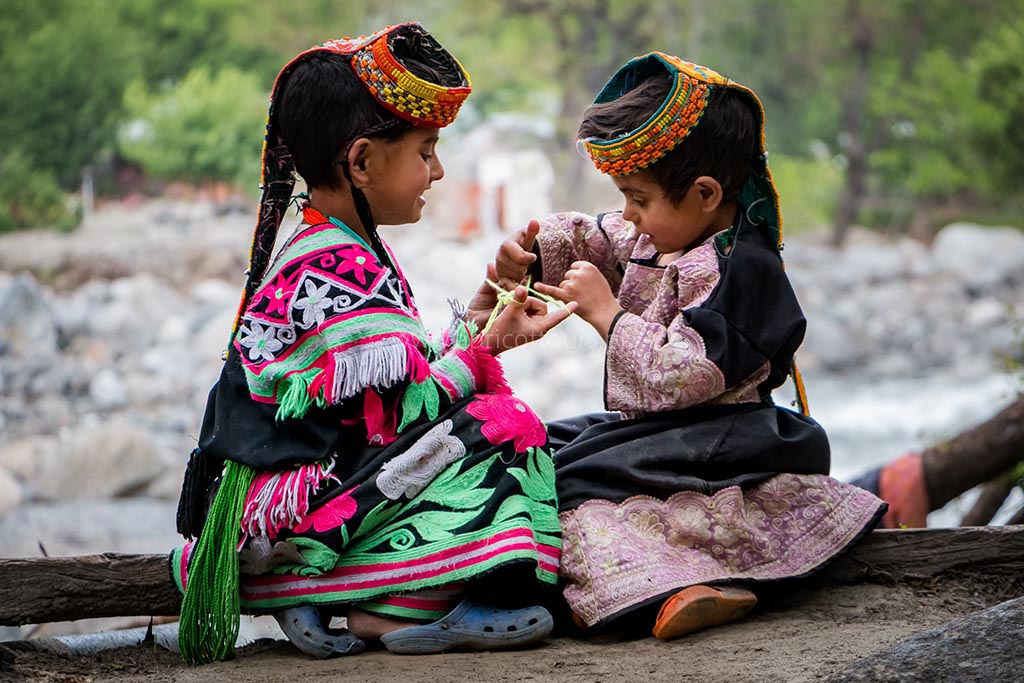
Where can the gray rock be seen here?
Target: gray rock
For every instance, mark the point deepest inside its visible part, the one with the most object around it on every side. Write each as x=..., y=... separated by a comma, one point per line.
x=982, y=647
x=981, y=256
x=10, y=492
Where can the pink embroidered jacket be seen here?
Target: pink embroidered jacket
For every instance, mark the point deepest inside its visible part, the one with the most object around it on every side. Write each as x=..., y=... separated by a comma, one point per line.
x=657, y=359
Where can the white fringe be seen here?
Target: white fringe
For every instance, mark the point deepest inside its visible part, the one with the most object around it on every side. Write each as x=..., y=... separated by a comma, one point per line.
x=380, y=363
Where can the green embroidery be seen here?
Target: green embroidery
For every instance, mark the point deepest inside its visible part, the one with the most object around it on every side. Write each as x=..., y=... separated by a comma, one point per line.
x=319, y=558
x=420, y=397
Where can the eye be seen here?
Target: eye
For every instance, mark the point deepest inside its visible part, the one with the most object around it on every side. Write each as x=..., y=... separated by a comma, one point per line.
x=639, y=203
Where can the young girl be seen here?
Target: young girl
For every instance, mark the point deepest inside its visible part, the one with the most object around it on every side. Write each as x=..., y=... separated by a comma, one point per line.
x=360, y=466
x=698, y=478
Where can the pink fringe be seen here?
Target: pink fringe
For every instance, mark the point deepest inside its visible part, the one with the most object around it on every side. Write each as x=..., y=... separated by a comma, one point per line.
x=279, y=500
x=417, y=365
x=487, y=370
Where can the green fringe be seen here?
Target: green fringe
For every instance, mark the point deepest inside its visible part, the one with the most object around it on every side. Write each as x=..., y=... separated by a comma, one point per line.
x=211, y=609
x=296, y=401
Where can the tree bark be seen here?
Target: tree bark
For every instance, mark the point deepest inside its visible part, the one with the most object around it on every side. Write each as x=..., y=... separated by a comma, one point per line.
x=40, y=590
x=991, y=498
x=45, y=589
x=854, y=123
x=975, y=456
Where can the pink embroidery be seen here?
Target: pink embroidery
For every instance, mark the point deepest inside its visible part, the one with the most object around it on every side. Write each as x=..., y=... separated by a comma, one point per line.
x=619, y=555
x=356, y=260
x=380, y=424
x=330, y=515
x=507, y=418
x=279, y=294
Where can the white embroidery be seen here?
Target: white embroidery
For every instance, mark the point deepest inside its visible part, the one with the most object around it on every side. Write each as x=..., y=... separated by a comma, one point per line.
x=410, y=472
x=261, y=342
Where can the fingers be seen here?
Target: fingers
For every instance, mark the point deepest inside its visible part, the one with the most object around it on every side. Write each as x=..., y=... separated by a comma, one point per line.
x=529, y=236
x=551, y=290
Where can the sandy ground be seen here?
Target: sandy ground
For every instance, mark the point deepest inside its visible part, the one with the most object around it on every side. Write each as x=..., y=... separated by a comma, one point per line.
x=797, y=633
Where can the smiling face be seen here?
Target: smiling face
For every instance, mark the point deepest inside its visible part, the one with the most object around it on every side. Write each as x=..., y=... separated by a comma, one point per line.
x=402, y=172
x=671, y=227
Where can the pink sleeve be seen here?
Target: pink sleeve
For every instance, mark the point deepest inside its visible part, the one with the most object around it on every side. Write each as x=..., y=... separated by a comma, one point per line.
x=567, y=237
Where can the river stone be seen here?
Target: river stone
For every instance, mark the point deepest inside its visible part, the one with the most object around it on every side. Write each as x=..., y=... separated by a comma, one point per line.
x=10, y=492
x=982, y=647
x=981, y=256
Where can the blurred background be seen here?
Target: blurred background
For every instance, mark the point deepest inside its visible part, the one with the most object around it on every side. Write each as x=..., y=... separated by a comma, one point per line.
x=129, y=167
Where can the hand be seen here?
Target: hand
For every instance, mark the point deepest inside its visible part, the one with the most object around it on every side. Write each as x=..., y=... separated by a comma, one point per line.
x=584, y=284
x=479, y=308
x=523, y=320
x=515, y=256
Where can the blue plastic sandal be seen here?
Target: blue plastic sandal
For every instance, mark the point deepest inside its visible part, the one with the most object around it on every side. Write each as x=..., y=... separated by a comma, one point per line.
x=306, y=631
x=471, y=626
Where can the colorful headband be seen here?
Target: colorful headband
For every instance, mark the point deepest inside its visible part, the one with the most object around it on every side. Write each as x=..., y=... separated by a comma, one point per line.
x=397, y=89
x=681, y=111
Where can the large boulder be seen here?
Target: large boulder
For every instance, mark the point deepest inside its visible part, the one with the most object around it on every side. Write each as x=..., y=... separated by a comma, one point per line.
x=979, y=648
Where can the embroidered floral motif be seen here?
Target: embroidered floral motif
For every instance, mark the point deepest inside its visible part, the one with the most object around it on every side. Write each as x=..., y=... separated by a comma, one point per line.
x=314, y=303
x=261, y=341
x=355, y=260
x=786, y=527
x=330, y=515
x=411, y=471
x=507, y=418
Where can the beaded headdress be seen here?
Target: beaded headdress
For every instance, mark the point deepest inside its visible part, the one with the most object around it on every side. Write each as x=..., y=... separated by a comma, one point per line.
x=410, y=97
x=679, y=114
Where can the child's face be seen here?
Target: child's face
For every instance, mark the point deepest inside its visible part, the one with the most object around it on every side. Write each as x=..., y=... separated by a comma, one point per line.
x=671, y=227
x=408, y=167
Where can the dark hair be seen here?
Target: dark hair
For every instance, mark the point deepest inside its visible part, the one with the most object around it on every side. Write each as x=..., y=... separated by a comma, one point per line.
x=722, y=144
x=323, y=106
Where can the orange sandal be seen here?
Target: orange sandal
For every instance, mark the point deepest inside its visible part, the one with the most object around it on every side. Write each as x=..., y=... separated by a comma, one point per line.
x=697, y=607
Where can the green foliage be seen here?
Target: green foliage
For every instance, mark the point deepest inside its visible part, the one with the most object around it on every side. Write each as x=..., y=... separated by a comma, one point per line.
x=998, y=70
x=61, y=90
x=30, y=197
x=807, y=191
x=205, y=128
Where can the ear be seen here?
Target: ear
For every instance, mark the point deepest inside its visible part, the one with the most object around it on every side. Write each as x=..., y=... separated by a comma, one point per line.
x=359, y=159
x=710, y=192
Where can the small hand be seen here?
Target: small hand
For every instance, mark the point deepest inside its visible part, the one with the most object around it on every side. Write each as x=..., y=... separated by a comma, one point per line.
x=584, y=284
x=515, y=256
x=523, y=320
x=479, y=308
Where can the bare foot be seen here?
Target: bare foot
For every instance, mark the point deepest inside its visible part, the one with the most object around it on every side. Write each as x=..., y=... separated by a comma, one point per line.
x=370, y=626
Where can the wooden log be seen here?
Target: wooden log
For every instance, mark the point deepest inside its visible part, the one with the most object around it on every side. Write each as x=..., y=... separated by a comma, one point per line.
x=44, y=589
x=974, y=456
x=40, y=590
x=902, y=554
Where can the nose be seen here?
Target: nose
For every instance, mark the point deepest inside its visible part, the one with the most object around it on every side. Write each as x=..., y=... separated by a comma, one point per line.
x=436, y=169
x=629, y=213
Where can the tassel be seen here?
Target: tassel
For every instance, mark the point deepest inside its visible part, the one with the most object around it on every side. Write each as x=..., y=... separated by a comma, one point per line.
x=295, y=401
x=279, y=500
x=211, y=608
x=200, y=474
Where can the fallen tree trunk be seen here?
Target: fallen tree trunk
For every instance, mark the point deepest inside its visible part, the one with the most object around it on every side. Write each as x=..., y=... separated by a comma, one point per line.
x=45, y=589
x=974, y=456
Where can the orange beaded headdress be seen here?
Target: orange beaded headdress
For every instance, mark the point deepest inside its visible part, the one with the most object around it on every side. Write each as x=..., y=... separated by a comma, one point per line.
x=681, y=111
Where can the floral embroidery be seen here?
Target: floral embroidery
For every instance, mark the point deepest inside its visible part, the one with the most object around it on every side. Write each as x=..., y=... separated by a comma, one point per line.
x=330, y=515
x=507, y=418
x=314, y=304
x=279, y=294
x=785, y=527
x=411, y=471
x=261, y=342
x=354, y=260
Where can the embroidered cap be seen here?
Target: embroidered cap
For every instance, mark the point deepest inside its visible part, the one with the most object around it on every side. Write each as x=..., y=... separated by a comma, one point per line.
x=677, y=116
